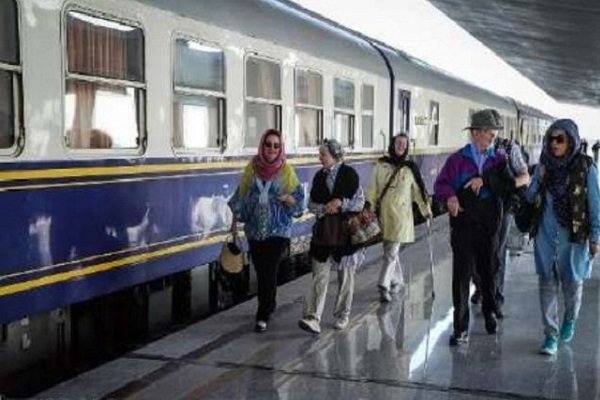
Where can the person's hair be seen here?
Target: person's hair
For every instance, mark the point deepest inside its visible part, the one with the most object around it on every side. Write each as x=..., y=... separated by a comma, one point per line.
x=334, y=148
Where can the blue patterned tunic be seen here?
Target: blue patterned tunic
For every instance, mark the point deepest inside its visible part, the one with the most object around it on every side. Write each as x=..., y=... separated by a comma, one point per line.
x=269, y=218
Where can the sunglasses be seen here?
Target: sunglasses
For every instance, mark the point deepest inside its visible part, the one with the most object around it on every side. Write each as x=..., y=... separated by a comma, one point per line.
x=559, y=139
x=271, y=145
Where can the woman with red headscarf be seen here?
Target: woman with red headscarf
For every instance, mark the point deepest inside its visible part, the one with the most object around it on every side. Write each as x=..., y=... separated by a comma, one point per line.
x=269, y=195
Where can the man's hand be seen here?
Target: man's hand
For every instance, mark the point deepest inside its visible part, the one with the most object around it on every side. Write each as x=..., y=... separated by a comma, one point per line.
x=475, y=184
x=453, y=206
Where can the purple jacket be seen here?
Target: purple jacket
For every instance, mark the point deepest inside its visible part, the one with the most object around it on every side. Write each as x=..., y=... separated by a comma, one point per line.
x=460, y=167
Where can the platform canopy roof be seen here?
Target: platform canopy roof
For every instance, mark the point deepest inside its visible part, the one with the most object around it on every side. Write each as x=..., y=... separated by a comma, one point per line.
x=554, y=43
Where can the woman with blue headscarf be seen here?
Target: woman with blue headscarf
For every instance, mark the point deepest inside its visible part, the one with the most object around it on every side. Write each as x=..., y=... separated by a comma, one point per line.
x=565, y=228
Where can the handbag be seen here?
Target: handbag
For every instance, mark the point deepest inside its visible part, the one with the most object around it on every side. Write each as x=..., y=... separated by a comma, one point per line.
x=523, y=215
x=232, y=256
x=363, y=227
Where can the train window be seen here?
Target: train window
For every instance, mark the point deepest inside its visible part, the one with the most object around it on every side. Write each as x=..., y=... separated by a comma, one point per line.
x=199, y=99
x=343, y=101
x=309, y=108
x=10, y=76
x=403, y=112
x=368, y=101
x=105, y=87
x=434, y=123
x=263, y=98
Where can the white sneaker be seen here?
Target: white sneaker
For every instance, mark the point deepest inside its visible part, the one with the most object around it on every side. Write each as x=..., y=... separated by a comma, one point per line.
x=260, y=327
x=385, y=296
x=310, y=325
x=396, y=287
x=341, y=323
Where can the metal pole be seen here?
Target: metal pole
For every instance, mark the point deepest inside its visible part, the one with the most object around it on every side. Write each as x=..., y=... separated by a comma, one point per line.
x=431, y=262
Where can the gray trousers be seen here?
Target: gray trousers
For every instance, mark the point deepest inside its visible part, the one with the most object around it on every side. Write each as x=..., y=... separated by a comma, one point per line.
x=549, y=293
x=314, y=301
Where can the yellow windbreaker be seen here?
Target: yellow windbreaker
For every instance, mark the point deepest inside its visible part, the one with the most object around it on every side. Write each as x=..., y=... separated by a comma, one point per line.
x=396, y=214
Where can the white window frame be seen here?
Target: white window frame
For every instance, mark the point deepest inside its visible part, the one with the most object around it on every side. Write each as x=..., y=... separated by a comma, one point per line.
x=140, y=87
x=16, y=73
x=367, y=113
x=183, y=90
x=278, y=104
x=319, y=109
x=433, y=123
x=351, y=112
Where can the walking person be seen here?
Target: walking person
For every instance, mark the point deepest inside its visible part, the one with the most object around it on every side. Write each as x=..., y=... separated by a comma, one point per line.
x=269, y=195
x=396, y=183
x=472, y=184
x=335, y=194
x=516, y=166
x=565, y=228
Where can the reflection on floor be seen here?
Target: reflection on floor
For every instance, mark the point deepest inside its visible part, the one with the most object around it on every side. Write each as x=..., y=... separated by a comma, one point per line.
x=395, y=350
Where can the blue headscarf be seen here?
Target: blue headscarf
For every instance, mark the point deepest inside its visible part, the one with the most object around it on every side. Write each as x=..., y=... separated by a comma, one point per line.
x=557, y=179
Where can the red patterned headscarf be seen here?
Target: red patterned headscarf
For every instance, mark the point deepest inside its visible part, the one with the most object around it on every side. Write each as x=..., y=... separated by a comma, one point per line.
x=264, y=169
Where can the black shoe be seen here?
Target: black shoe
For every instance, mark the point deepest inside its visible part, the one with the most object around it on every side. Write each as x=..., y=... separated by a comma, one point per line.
x=459, y=338
x=498, y=312
x=476, y=297
x=490, y=324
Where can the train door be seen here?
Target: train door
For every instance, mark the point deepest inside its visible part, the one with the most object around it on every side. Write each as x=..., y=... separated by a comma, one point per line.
x=402, y=112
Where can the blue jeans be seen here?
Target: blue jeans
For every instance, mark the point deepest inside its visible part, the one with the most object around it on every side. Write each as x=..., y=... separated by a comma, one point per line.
x=572, y=292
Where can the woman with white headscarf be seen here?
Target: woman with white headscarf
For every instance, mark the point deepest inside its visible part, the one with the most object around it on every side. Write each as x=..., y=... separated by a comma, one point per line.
x=335, y=194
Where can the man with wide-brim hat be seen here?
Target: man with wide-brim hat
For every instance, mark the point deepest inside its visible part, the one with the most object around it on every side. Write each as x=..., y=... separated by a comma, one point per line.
x=472, y=184
x=486, y=119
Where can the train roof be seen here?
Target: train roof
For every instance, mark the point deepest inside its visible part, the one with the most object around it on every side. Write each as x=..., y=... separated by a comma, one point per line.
x=282, y=24
x=290, y=25
x=413, y=70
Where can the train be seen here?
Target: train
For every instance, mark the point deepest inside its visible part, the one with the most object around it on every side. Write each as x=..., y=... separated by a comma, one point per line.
x=124, y=125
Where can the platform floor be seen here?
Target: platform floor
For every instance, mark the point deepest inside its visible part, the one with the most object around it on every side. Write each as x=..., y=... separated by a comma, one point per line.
x=390, y=351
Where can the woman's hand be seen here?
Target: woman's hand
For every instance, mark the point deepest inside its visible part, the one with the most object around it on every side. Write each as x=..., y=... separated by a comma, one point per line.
x=333, y=206
x=287, y=199
x=522, y=180
x=233, y=228
x=594, y=248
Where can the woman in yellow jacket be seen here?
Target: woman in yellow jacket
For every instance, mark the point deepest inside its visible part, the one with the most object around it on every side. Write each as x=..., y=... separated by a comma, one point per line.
x=395, y=209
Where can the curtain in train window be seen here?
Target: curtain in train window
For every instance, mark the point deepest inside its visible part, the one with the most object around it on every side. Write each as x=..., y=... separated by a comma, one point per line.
x=309, y=108
x=199, y=105
x=434, y=123
x=104, y=95
x=368, y=102
x=263, y=99
x=9, y=72
x=7, y=110
x=343, y=101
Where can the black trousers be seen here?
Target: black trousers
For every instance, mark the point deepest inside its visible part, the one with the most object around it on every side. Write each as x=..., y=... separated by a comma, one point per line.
x=473, y=250
x=266, y=256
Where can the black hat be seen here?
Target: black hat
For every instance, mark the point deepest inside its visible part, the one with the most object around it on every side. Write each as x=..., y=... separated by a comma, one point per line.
x=488, y=118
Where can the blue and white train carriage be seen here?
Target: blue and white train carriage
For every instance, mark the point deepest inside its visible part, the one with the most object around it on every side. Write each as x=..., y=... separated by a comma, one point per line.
x=124, y=125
